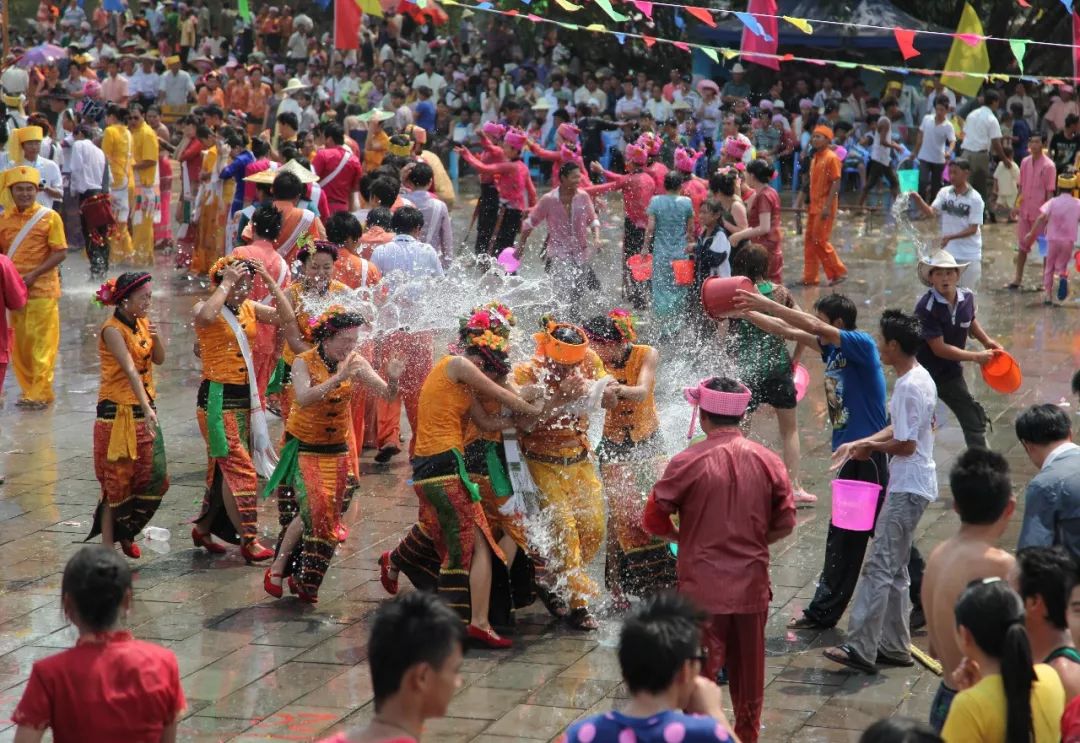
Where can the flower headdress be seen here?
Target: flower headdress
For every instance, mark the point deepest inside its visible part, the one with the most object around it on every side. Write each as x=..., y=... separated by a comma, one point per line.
x=111, y=293
x=624, y=323
x=334, y=319
x=218, y=269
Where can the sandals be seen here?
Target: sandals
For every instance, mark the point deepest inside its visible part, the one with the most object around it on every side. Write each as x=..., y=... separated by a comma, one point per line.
x=552, y=602
x=582, y=619
x=804, y=622
x=884, y=659
x=850, y=659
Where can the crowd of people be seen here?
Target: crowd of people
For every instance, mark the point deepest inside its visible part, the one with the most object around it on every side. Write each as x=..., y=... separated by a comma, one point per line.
x=292, y=179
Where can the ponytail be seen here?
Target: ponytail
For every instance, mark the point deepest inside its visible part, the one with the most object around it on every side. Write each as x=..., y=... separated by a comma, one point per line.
x=1018, y=676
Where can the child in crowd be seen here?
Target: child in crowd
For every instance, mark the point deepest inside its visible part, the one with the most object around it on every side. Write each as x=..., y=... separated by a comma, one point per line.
x=1006, y=184
x=1060, y=217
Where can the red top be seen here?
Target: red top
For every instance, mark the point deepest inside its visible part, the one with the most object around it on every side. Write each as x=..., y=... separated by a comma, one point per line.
x=490, y=153
x=729, y=492
x=250, y=169
x=658, y=171
x=638, y=188
x=344, y=183
x=13, y=297
x=765, y=201
x=105, y=689
x=511, y=178
x=191, y=162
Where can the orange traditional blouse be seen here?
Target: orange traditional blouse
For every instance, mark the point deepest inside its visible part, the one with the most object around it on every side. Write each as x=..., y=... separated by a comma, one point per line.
x=443, y=413
x=632, y=422
x=303, y=317
x=473, y=432
x=562, y=437
x=115, y=386
x=222, y=361
x=326, y=421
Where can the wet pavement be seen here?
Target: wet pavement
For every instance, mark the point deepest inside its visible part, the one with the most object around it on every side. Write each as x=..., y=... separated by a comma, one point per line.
x=258, y=669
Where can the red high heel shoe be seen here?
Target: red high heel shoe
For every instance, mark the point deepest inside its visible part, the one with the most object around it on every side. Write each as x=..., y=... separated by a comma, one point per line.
x=130, y=549
x=206, y=542
x=487, y=637
x=264, y=553
x=390, y=585
x=293, y=588
x=274, y=589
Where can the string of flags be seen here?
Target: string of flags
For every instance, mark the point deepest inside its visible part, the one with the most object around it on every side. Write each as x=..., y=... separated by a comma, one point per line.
x=1018, y=46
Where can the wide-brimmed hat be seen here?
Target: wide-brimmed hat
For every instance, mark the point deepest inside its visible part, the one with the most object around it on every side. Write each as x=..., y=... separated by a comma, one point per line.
x=265, y=177
x=305, y=175
x=542, y=105
x=938, y=259
x=293, y=86
x=737, y=68
x=376, y=114
x=707, y=84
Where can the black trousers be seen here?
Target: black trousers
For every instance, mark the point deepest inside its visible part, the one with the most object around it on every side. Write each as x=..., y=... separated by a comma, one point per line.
x=487, y=213
x=509, y=222
x=969, y=413
x=845, y=549
x=636, y=292
x=930, y=178
x=97, y=250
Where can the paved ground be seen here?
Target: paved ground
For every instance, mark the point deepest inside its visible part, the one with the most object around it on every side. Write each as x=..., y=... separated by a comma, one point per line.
x=258, y=669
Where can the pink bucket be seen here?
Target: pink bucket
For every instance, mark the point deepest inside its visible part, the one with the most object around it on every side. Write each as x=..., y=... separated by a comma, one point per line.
x=854, y=504
x=802, y=382
x=508, y=260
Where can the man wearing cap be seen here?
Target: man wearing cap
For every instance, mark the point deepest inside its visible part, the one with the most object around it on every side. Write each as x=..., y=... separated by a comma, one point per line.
x=733, y=499
x=32, y=236
x=288, y=188
x=821, y=211
x=24, y=149
x=736, y=87
x=177, y=87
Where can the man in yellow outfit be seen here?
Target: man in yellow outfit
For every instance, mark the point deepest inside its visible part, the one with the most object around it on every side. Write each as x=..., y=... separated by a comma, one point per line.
x=32, y=236
x=557, y=453
x=24, y=148
x=116, y=144
x=144, y=149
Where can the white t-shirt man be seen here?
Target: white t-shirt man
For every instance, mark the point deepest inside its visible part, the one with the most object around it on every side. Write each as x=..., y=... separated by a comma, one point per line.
x=911, y=409
x=880, y=149
x=958, y=212
x=980, y=128
x=936, y=139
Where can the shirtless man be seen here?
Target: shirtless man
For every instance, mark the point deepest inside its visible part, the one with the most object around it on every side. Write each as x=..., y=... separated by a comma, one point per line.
x=983, y=499
x=1042, y=576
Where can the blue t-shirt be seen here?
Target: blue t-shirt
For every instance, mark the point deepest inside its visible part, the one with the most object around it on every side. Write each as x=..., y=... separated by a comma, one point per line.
x=425, y=116
x=854, y=387
x=665, y=727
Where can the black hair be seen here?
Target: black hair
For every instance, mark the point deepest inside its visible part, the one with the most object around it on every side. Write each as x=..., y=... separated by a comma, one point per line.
x=136, y=108
x=560, y=113
x=760, y=170
x=1076, y=383
x=316, y=246
x=266, y=221
x=963, y=163
x=202, y=131
x=905, y=329
x=673, y=180
x=899, y=730
x=990, y=96
x=96, y=579
x=337, y=322
x=942, y=100
x=751, y=261
x=838, y=307
x=385, y=191
x=657, y=640
x=602, y=328
x=723, y=183
x=380, y=216
x=1016, y=109
x=980, y=485
x=1048, y=572
x=994, y=615
x=260, y=147
x=342, y=226
x=407, y=220
x=1043, y=424
x=413, y=628
x=722, y=384
x=421, y=175
x=233, y=137
x=117, y=111
x=287, y=186
x=364, y=186
x=1072, y=120
x=288, y=118
x=567, y=168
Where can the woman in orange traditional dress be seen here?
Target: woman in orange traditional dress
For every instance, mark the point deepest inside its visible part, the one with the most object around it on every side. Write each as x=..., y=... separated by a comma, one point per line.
x=231, y=417
x=129, y=451
x=208, y=208
x=316, y=473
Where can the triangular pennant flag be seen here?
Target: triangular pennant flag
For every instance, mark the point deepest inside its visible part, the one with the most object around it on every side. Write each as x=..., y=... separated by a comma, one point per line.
x=621, y=38
x=752, y=25
x=1019, y=48
x=1068, y=6
x=874, y=68
x=702, y=14
x=531, y=16
x=787, y=57
x=969, y=39
x=729, y=53
x=964, y=58
x=681, y=45
x=370, y=7
x=596, y=27
x=568, y=6
x=605, y=5
x=800, y=23
x=243, y=10
x=644, y=7
x=649, y=40
x=905, y=39
x=710, y=53
x=510, y=13
x=679, y=22
x=844, y=65
x=1024, y=3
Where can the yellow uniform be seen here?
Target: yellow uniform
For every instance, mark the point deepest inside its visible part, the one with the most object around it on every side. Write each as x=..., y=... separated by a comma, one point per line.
x=116, y=144
x=144, y=146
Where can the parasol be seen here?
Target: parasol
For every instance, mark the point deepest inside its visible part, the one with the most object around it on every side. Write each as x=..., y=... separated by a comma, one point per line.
x=41, y=54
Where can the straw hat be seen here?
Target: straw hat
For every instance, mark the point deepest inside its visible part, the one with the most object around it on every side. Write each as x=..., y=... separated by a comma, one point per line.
x=542, y=105
x=1067, y=182
x=377, y=114
x=305, y=175
x=293, y=86
x=938, y=259
x=265, y=177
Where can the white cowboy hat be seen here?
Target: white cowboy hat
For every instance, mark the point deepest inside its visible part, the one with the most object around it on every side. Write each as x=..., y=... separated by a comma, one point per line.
x=737, y=68
x=938, y=259
x=293, y=86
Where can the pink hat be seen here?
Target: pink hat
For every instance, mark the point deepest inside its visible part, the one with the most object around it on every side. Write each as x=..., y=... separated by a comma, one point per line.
x=568, y=131
x=704, y=85
x=766, y=105
x=713, y=401
x=91, y=88
x=568, y=154
x=494, y=130
x=1065, y=88
x=635, y=153
x=734, y=147
x=806, y=103
x=686, y=159
x=651, y=143
x=515, y=138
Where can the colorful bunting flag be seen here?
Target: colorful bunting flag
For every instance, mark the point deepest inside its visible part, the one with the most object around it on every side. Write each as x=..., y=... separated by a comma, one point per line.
x=649, y=40
x=800, y=23
x=710, y=53
x=679, y=22
x=1019, y=48
x=645, y=8
x=681, y=45
x=970, y=39
x=752, y=25
x=964, y=58
x=905, y=39
x=242, y=10
x=605, y=5
x=568, y=6
x=1024, y=3
x=596, y=27
x=702, y=14
x=1068, y=6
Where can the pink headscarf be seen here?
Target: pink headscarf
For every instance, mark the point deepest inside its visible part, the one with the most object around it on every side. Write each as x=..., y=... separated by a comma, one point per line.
x=686, y=159
x=494, y=130
x=568, y=154
x=515, y=138
x=713, y=401
x=91, y=88
x=650, y=143
x=635, y=153
x=569, y=132
x=734, y=147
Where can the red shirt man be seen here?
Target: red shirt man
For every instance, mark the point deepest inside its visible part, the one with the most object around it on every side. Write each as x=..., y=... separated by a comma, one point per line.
x=338, y=170
x=733, y=498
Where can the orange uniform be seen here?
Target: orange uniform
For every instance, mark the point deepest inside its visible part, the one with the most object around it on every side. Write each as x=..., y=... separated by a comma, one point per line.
x=821, y=216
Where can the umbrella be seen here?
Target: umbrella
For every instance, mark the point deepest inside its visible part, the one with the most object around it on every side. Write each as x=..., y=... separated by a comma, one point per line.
x=41, y=54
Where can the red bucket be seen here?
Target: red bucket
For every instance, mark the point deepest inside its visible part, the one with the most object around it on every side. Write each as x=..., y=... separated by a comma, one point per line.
x=684, y=272
x=718, y=294
x=640, y=266
x=1002, y=373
